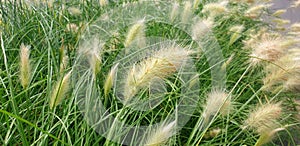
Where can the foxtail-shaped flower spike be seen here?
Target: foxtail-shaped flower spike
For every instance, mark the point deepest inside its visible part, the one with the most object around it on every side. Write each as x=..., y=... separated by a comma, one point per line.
x=110, y=79
x=25, y=68
x=59, y=90
x=264, y=117
x=163, y=63
x=160, y=135
x=136, y=33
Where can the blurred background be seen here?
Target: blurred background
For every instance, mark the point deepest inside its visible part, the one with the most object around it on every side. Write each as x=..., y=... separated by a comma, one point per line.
x=292, y=13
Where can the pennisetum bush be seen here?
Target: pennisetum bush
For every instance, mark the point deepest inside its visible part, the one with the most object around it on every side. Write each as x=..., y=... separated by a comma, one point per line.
x=259, y=104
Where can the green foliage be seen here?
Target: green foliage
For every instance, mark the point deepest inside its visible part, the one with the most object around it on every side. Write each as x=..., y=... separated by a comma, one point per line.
x=26, y=117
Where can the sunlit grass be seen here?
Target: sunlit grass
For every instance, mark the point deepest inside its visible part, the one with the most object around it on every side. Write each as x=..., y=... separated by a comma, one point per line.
x=32, y=115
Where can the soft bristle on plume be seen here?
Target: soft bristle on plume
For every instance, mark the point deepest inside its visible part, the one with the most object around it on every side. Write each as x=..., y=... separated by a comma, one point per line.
x=283, y=74
x=163, y=63
x=268, y=48
x=187, y=12
x=218, y=101
x=215, y=9
x=201, y=27
x=136, y=33
x=109, y=79
x=264, y=117
x=174, y=11
x=160, y=135
x=24, y=65
x=267, y=136
x=103, y=2
x=236, y=33
x=59, y=90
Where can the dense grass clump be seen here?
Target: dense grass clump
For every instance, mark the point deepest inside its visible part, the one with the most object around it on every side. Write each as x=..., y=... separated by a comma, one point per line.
x=210, y=72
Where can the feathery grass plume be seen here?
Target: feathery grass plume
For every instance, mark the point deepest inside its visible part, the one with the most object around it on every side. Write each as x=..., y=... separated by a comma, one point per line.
x=279, y=12
x=256, y=10
x=163, y=63
x=268, y=47
x=196, y=4
x=267, y=136
x=283, y=74
x=264, y=117
x=295, y=27
x=296, y=4
x=254, y=37
x=217, y=101
x=281, y=22
x=25, y=69
x=201, y=27
x=292, y=84
x=236, y=33
x=215, y=9
x=103, y=2
x=72, y=27
x=109, y=79
x=63, y=64
x=174, y=12
x=59, y=90
x=136, y=33
x=160, y=135
x=74, y=11
x=212, y=133
x=94, y=55
x=187, y=12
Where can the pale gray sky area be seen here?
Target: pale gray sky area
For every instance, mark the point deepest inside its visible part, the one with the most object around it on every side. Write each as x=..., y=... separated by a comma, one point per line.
x=292, y=14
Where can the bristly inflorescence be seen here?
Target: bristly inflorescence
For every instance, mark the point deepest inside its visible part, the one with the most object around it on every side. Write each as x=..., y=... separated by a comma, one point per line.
x=25, y=67
x=160, y=65
x=160, y=135
x=264, y=117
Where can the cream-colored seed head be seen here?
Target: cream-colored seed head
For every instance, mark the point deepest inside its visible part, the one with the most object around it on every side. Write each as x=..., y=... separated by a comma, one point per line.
x=212, y=133
x=217, y=101
x=25, y=68
x=267, y=136
x=256, y=10
x=296, y=4
x=63, y=64
x=201, y=28
x=235, y=33
x=279, y=12
x=74, y=11
x=187, y=12
x=174, y=11
x=59, y=90
x=268, y=48
x=160, y=135
x=109, y=79
x=264, y=117
x=93, y=52
x=196, y=4
x=103, y=2
x=136, y=33
x=295, y=27
x=283, y=74
x=215, y=9
x=163, y=63
x=72, y=27
x=281, y=22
